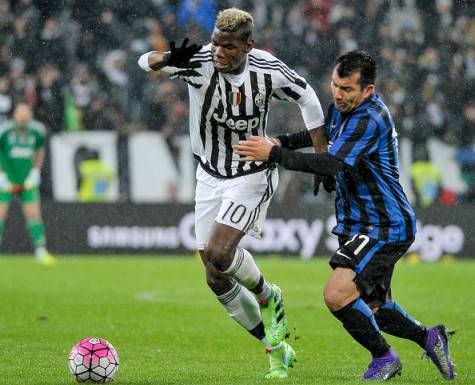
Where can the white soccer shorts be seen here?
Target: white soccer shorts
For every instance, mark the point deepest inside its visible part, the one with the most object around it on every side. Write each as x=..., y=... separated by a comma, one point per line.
x=239, y=202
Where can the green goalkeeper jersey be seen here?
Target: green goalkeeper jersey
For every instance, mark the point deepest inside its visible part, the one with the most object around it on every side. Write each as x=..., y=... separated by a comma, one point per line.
x=18, y=147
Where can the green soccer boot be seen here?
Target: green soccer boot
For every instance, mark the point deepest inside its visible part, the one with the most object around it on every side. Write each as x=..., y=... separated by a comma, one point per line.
x=276, y=325
x=280, y=360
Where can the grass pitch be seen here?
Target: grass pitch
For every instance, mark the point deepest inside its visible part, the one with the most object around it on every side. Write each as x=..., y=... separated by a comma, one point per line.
x=169, y=329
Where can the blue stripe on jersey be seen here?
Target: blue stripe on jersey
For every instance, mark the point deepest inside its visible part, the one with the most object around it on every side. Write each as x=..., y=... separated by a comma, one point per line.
x=360, y=266
x=369, y=198
x=396, y=210
x=405, y=209
x=359, y=138
x=370, y=206
x=405, y=212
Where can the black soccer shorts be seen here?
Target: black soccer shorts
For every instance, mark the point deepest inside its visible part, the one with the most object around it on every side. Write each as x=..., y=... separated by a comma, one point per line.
x=373, y=262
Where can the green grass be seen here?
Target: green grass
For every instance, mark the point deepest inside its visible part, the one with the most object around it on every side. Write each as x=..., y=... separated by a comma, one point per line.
x=169, y=329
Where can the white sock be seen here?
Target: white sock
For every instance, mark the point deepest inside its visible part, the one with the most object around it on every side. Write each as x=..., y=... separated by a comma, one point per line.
x=40, y=252
x=243, y=269
x=241, y=306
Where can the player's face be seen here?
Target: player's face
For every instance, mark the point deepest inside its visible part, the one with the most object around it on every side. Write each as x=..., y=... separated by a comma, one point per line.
x=347, y=92
x=229, y=51
x=22, y=115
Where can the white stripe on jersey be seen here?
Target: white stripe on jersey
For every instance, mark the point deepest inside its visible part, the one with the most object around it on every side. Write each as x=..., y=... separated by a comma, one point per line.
x=227, y=108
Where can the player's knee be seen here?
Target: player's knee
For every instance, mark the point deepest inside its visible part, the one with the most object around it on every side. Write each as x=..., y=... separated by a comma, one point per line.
x=213, y=280
x=217, y=282
x=334, y=297
x=219, y=256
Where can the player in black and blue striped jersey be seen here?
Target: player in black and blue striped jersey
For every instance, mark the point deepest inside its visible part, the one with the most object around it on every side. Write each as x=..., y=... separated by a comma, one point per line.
x=375, y=222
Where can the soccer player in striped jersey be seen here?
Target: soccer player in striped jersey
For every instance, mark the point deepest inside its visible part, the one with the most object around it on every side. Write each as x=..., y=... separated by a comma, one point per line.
x=375, y=222
x=231, y=85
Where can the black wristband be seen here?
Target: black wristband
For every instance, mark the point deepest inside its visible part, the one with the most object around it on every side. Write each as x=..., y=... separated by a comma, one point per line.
x=275, y=155
x=166, y=57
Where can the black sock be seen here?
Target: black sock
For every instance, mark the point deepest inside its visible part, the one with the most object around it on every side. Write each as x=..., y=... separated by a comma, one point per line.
x=258, y=331
x=358, y=320
x=392, y=319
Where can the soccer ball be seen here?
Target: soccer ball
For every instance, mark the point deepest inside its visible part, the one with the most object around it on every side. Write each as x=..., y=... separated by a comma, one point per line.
x=93, y=359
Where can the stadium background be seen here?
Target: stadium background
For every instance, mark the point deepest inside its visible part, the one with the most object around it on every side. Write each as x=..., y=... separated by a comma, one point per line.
x=75, y=62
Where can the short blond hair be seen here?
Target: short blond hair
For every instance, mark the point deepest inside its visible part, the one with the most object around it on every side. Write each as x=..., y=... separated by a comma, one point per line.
x=234, y=19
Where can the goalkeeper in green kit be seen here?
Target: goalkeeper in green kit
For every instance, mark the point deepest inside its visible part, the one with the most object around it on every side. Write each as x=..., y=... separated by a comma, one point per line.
x=22, y=154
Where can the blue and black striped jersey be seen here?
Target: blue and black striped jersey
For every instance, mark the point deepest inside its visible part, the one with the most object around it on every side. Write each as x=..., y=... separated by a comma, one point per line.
x=369, y=198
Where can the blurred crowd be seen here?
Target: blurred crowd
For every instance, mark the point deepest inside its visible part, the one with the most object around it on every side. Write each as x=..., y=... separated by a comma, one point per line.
x=75, y=61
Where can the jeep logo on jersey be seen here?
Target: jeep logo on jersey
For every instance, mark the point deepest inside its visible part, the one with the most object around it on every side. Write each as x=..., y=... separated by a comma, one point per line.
x=234, y=124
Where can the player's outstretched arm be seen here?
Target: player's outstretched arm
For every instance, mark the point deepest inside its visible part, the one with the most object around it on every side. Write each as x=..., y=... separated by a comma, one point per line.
x=176, y=57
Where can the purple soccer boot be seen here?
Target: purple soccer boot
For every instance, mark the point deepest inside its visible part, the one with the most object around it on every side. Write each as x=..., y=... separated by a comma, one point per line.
x=384, y=368
x=437, y=350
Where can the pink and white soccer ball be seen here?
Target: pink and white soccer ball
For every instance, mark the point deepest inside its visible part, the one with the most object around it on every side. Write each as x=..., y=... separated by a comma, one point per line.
x=93, y=359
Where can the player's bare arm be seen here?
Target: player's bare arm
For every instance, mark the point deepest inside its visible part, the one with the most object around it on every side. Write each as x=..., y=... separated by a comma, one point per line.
x=33, y=179
x=39, y=158
x=319, y=139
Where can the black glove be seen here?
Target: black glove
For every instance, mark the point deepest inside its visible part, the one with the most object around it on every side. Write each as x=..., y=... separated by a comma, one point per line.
x=328, y=181
x=180, y=56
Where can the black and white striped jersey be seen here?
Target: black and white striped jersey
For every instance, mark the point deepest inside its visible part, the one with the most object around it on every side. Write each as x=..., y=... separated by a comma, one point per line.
x=226, y=108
